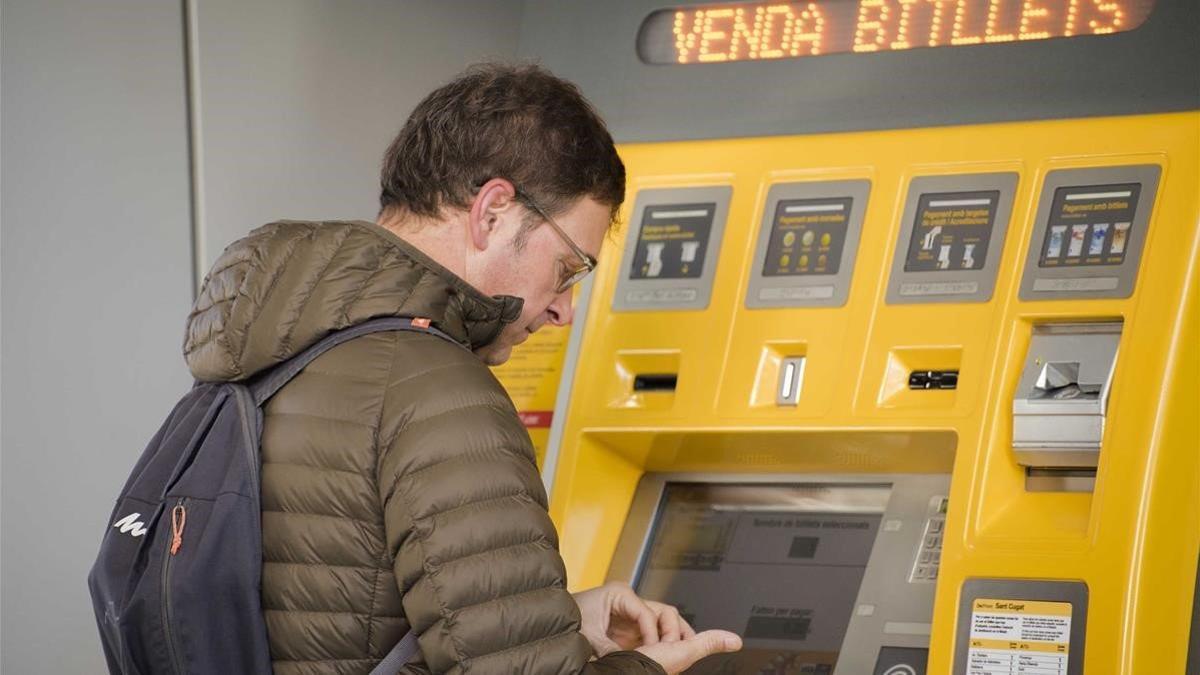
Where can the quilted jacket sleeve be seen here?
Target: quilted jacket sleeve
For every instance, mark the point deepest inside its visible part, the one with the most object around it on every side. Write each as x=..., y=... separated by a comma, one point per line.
x=476, y=555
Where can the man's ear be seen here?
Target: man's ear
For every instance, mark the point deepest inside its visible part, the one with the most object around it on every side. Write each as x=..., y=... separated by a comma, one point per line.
x=494, y=198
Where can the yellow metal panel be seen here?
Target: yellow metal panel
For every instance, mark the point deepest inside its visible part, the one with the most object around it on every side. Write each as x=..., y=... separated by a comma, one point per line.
x=1134, y=540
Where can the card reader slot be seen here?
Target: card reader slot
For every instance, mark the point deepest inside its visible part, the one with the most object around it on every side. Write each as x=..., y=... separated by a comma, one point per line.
x=655, y=382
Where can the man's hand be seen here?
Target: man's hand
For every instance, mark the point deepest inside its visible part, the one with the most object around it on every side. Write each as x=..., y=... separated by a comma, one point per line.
x=676, y=657
x=615, y=618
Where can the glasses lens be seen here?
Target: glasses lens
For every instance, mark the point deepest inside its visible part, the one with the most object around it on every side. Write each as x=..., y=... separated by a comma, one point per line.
x=572, y=278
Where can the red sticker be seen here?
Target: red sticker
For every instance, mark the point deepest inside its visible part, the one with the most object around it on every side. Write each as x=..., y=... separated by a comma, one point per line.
x=536, y=419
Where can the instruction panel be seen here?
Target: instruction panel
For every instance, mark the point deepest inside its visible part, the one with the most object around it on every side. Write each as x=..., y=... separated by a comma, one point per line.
x=952, y=231
x=673, y=241
x=807, y=242
x=951, y=238
x=807, y=237
x=672, y=248
x=1009, y=637
x=1090, y=225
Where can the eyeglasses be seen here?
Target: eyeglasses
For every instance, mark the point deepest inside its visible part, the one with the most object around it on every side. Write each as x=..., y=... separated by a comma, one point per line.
x=567, y=276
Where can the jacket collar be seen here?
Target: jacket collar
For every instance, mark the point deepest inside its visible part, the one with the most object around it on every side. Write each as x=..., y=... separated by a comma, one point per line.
x=288, y=284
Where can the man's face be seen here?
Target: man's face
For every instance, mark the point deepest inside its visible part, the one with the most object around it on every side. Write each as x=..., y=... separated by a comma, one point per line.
x=532, y=271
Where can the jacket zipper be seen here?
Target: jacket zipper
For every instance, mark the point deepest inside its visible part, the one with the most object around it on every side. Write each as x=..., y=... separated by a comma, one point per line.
x=178, y=518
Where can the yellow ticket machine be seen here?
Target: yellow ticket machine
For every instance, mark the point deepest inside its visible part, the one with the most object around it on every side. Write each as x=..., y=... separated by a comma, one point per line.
x=883, y=403
x=893, y=368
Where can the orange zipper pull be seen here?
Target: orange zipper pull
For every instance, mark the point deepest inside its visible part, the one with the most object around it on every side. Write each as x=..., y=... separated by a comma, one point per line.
x=178, y=520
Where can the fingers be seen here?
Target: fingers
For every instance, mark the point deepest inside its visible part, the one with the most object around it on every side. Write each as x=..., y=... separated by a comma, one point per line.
x=626, y=604
x=675, y=657
x=670, y=624
x=647, y=621
x=715, y=642
x=594, y=620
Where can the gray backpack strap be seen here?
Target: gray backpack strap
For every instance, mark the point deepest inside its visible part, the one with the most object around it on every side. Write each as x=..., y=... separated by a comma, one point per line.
x=270, y=383
x=401, y=654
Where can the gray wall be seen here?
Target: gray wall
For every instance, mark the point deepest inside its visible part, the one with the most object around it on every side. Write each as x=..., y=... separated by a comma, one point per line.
x=95, y=280
x=296, y=100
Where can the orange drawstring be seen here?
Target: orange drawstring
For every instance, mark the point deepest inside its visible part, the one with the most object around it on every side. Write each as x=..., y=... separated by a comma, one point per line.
x=178, y=520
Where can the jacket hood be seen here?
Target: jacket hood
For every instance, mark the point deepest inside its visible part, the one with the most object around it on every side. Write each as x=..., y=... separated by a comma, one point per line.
x=288, y=284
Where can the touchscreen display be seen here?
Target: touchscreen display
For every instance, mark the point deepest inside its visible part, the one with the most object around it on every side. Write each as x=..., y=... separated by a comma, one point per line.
x=781, y=565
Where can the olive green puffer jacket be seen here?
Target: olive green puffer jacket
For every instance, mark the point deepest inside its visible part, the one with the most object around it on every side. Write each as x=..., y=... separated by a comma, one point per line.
x=399, y=488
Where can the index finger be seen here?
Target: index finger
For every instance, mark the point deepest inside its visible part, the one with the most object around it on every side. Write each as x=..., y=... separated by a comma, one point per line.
x=648, y=622
x=669, y=622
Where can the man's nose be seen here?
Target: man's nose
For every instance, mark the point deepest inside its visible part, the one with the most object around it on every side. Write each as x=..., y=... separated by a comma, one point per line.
x=561, y=310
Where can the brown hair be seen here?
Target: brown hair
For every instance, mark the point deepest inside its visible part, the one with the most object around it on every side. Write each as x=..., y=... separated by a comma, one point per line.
x=518, y=122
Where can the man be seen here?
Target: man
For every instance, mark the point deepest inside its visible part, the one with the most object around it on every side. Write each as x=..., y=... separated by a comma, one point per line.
x=399, y=488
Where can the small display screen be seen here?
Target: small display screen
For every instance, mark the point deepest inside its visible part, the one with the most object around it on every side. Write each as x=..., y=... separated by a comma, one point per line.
x=807, y=236
x=779, y=30
x=781, y=565
x=1090, y=225
x=952, y=231
x=673, y=241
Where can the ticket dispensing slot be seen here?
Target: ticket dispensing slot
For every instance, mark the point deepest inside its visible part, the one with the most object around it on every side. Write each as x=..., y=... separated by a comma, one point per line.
x=645, y=379
x=1062, y=399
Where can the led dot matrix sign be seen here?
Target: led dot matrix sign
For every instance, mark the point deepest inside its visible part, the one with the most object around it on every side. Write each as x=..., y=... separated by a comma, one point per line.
x=780, y=30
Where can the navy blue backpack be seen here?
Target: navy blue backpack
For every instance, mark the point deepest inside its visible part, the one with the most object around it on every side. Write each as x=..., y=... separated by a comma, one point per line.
x=176, y=586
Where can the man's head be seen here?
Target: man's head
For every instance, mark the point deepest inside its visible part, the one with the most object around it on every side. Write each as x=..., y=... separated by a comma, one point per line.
x=508, y=177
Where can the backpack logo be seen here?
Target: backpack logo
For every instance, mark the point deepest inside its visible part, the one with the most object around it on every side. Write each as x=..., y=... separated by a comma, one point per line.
x=131, y=523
